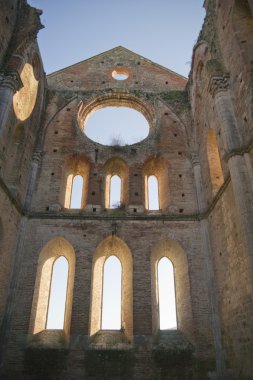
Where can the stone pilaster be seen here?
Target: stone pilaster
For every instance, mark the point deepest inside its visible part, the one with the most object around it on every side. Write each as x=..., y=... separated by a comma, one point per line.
x=10, y=83
x=210, y=276
x=238, y=166
x=36, y=161
x=198, y=183
x=249, y=168
x=219, y=88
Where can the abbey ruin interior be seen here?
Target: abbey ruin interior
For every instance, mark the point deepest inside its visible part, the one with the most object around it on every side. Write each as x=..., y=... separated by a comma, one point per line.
x=199, y=149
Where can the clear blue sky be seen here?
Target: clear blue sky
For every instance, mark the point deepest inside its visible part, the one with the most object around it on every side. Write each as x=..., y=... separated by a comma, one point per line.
x=164, y=31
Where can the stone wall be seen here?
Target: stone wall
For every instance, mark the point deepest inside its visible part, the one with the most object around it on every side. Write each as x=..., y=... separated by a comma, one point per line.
x=141, y=237
x=223, y=52
x=200, y=148
x=8, y=19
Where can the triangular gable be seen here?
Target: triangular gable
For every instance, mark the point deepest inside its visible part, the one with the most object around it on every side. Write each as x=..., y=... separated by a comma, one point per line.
x=95, y=72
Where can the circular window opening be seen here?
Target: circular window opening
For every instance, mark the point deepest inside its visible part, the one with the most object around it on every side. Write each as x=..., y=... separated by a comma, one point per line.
x=116, y=126
x=120, y=74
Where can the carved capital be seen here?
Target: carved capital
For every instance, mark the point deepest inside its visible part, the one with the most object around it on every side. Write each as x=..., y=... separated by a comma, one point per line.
x=11, y=79
x=195, y=159
x=218, y=84
x=37, y=156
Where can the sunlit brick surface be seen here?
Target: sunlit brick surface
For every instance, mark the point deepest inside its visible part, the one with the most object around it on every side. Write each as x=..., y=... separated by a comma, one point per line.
x=199, y=147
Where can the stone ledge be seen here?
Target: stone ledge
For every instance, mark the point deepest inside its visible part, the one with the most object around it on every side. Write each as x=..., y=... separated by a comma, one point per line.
x=53, y=339
x=109, y=339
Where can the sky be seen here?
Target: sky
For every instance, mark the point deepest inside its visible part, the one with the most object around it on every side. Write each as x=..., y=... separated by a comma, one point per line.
x=164, y=31
x=124, y=126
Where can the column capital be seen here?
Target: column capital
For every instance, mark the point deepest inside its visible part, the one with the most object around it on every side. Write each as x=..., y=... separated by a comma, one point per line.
x=195, y=159
x=11, y=79
x=37, y=156
x=218, y=84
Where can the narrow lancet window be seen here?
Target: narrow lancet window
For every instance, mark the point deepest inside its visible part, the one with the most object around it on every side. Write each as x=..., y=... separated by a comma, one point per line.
x=58, y=295
x=111, y=303
x=115, y=192
x=166, y=293
x=76, y=192
x=214, y=161
x=153, y=193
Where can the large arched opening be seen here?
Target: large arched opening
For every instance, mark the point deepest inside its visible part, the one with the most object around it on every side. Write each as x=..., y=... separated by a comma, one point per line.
x=109, y=247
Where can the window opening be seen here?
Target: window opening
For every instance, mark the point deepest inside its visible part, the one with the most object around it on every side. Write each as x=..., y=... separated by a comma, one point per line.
x=58, y=295
x=214, y=162
x=120, y=74
x=77, y=191
x=166, y=294
x=116, y=126
x=115, y=192
x=153, y=194
x=111, y=303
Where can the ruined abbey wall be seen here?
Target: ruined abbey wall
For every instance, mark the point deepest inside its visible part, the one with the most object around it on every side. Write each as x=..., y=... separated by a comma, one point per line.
x=200, y=149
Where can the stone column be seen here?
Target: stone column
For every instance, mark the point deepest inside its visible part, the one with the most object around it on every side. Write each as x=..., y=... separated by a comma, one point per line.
x=207, y=249
x=238, y=166
x=198, y=183
x=219, y=88
x=36, y=160
x=10, y=83
x=95, y=194
x=249, y=168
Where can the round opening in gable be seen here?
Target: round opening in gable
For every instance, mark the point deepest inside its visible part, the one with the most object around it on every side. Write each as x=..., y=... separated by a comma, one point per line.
x=120, y=74
x=116, y=126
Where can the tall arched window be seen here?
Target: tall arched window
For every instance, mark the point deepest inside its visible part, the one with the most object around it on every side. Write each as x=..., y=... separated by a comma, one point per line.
x=152, y=193
x=58, y=294
x=214, y=161
x=75, y=179
x=115, y=192
x=112, y=287
x=166, y=294
x=116, y=174
x=169, y=265
x=53, y=291
x=76, y=192
x=111, y=304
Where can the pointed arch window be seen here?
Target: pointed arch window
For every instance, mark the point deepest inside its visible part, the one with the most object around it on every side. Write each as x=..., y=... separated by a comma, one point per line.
x=166, y=294
x=58, y=294
x=76, y=192
x=115, y=192
x=152, y=193
x=214, y=161
x=75, y=179
x=53, y=291
x=112, y=279
x=112, y=289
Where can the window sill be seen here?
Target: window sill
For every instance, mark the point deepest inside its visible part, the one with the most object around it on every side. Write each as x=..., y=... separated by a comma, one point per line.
x=153, y=212
x=109, y=339
x=55, y=339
